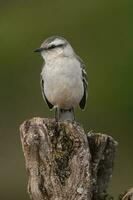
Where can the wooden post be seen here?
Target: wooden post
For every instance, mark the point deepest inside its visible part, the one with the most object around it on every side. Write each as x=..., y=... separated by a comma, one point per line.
x=65, y=163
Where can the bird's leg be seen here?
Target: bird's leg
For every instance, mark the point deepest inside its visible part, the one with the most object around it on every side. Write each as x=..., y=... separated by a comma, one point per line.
x=56, y=114
x=56, y=120
x=73, y=114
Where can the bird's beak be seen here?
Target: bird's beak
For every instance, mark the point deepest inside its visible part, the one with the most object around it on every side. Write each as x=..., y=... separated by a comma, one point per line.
x=39, y=49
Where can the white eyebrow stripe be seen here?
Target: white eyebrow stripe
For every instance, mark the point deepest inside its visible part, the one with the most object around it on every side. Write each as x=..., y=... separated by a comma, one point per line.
x=56, y=42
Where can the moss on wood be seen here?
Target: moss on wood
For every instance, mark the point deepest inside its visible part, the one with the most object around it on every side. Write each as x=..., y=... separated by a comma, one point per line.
x=62, y=148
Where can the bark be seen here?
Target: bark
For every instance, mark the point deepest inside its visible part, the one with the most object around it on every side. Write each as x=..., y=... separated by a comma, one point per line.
x=65, y=163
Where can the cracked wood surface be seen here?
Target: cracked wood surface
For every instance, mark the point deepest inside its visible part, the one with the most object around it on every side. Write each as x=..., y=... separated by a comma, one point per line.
x=65, y=163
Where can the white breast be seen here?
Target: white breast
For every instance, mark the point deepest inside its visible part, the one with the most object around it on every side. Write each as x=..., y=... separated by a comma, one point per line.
x=63, y=84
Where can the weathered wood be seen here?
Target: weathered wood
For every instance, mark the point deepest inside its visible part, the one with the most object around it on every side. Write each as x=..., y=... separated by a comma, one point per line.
x=64, y=163
x=128, y=195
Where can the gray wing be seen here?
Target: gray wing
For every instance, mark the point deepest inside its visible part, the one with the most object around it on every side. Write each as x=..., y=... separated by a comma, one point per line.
x=43, y=94
x=82, y=103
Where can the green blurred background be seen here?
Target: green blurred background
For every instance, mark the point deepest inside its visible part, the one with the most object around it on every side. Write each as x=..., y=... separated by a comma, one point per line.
x=101, y=33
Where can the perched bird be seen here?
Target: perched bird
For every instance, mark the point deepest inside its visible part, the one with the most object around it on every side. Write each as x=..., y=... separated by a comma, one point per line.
x=63, y=78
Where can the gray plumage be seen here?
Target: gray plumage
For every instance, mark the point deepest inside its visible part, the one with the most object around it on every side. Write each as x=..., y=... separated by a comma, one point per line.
x=63, y=77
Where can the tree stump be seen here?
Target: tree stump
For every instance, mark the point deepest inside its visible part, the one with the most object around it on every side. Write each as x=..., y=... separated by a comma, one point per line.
x=65, y=163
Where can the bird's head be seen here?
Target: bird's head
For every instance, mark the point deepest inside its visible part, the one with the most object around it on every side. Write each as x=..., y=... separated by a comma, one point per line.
x=55, y=46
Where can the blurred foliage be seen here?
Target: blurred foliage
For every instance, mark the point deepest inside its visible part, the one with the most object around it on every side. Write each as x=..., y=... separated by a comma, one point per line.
x=101, y=33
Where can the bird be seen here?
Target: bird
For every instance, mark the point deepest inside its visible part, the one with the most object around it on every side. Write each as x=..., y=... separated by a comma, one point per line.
x=63, y=78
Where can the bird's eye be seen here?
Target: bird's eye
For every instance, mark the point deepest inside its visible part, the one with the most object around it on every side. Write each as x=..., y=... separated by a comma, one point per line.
x=54, y=46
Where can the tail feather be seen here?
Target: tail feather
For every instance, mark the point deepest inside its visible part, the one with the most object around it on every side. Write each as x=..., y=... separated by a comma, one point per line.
x=66, y=115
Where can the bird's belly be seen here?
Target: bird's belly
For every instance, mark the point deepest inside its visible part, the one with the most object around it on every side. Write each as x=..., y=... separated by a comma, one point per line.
x=63, y=88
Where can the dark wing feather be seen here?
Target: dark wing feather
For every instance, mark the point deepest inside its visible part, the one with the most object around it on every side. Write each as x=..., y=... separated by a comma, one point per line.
x=46, y=100
x=82, y=103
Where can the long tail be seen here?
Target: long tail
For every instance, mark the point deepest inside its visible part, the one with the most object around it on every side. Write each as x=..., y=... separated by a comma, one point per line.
x=64, y=114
